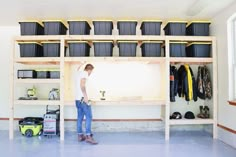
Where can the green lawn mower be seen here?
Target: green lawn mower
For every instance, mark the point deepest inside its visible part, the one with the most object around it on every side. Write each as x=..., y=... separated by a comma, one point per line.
x=31, y=126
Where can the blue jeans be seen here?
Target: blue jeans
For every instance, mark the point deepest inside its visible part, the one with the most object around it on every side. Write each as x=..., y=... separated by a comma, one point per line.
x=83, y=110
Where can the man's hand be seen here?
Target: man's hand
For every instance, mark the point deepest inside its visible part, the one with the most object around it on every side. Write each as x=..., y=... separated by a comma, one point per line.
x=81, y=64
x=86, y=100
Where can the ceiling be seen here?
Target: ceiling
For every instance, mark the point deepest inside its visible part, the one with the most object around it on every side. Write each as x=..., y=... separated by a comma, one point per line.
x=14, y=10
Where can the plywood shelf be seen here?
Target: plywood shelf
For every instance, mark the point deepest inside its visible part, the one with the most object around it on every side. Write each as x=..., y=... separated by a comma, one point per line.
x=190, y=60
x=122, y=102
x=191, y=38
x=37, y=81
x=191, y=121
x=113, y=38
x=39, y=38
x=36, y=102
x=75, y=60
x=38, y=61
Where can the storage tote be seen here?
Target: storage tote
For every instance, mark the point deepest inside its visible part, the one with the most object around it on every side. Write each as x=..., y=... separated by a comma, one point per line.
x=79, y=49
x=151, y=27
x=127, y=27
x=54, y=27
x=199, y=49
x=103, y=48
x=31, y=28
x=77, y=27
x=103, y=27
x=177, y=28
x=151, y=48
x=127, y=48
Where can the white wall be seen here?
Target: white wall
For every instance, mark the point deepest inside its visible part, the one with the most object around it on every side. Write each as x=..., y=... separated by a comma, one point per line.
x=226, y=113
x=6, y=41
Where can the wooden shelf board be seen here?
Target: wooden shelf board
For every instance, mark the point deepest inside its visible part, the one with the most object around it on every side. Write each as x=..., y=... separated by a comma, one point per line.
x=122, y=102
x=36, y=102
x=37, y=60
x=190, y=60
x=150, y=60
x=39, y=38
x=191, y=38
x=113, y=38
x=36, y=81
x=191, y=121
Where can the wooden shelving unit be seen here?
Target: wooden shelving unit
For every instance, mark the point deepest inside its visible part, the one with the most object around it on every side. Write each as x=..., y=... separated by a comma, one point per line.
x=64, y=64
x=191, y=121
x=149, y=60
x=37, y=81
x=38, y=61
x=122, y=102
x=36, y=102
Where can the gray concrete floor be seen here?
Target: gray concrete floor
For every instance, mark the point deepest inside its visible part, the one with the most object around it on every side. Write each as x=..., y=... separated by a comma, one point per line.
x=147, y=144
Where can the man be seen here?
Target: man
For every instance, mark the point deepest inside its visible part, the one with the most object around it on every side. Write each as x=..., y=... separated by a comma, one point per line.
x=83, y=106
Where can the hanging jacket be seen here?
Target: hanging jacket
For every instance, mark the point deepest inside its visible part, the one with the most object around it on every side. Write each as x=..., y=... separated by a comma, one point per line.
x=207, y=81
x=173, y=83
x=200, y=85
x=204, y=87
x=187, y=85
x=194, y=85
x=190, y=82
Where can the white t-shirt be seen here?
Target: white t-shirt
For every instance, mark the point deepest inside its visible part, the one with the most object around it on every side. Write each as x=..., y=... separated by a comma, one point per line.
x=78, y=92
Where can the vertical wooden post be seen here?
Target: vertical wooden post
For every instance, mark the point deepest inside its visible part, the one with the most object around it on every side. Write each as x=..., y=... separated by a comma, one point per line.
x=167, y=111
x=215, y=88
x=11, y=96
x=62, y=128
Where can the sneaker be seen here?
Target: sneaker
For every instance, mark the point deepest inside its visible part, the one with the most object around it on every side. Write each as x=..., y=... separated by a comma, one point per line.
x=81, y=138
x=90, y=140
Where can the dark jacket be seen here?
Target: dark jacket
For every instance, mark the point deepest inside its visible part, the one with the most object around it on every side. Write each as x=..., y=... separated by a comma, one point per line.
x=173, y=83
x=183, y=88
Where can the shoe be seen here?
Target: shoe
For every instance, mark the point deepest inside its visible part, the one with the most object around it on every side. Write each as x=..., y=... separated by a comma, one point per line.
x=81, y=138
x=90, y=140
x=207, y=112
x=201, y=114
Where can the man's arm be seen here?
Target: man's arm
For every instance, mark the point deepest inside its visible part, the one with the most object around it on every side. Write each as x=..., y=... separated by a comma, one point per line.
x=83, y=89
x=79, y=67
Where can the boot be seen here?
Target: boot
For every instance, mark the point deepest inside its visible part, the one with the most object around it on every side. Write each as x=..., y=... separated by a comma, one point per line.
x=89, y=139
x=81, y=138
x=207, y=112
x=201, y=114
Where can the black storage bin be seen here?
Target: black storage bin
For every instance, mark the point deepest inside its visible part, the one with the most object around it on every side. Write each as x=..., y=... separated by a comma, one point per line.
x=175, y=28
x=51, y=49
x=30, y=49
x=127, y=27
x=79, y=27
x=178, y=49
x=151, y=27
x=151, y=49
x=31, y=28
x=54, y=28
x=127, y=48
x=42, y=74
x=54, y=74
x=26, y=74
x=103, y=27
x=103, y=48
x=198, y=28
x=79, y=49
x=198, y=49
